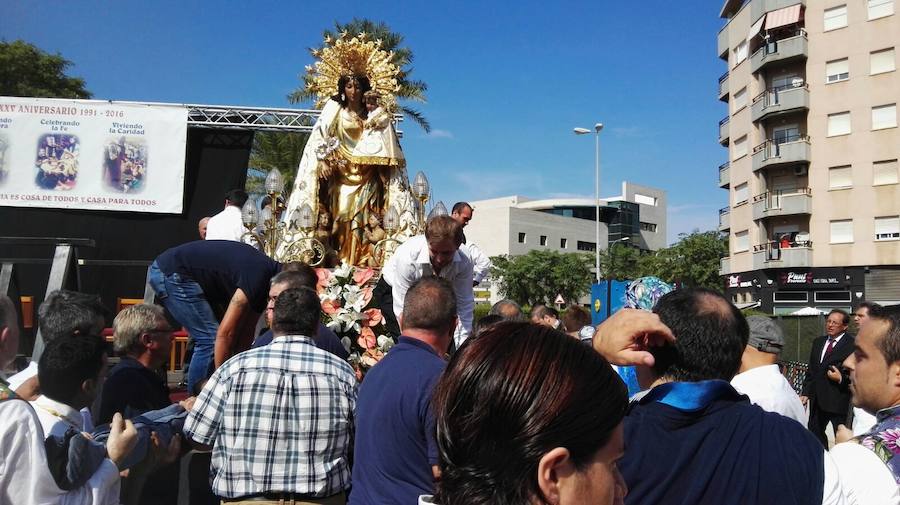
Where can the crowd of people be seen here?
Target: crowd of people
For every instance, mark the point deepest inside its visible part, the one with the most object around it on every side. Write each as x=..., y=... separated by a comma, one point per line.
x=512, y=408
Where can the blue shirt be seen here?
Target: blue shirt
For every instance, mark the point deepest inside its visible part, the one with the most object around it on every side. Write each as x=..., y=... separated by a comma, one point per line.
x=220, y=267
x=395, y=435
x=325, y=339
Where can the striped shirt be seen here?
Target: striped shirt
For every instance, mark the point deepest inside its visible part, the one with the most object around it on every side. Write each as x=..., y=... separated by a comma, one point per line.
x=280, y=419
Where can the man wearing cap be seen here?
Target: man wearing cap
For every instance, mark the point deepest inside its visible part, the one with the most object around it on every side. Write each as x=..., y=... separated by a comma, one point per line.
x=759, y=377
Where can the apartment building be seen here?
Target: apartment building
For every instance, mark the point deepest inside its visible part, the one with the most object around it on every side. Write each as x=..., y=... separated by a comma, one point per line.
x=813, y=215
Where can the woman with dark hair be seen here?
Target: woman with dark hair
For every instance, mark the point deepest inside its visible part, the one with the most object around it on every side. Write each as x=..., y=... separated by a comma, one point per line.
x=526, y=414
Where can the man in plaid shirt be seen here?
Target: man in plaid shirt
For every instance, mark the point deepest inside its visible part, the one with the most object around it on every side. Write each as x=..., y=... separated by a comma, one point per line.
x=279, y=418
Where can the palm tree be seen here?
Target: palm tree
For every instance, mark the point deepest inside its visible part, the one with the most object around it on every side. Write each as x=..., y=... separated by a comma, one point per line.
x=281, y=150
x=409, y=89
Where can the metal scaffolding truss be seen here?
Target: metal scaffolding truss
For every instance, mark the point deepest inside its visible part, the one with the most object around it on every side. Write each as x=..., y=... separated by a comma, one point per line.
x=251, y=118
x=256, y=118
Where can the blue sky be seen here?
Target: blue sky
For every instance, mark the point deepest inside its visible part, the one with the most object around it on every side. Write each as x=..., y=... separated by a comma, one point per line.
x=507, y=82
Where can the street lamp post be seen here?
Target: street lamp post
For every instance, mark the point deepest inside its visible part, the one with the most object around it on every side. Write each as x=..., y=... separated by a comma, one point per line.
x=583, y=131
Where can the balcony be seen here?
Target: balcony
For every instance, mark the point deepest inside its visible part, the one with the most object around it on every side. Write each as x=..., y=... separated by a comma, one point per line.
x=725, y=266
x=722, y=43
x=778, y=101
x=782, y=203
x=775, y=255
x=725, y=175
x=760, y=7
x=725, y=219
x=787, y=150
x=781, y=51
x=724, y=136
x=723, y=87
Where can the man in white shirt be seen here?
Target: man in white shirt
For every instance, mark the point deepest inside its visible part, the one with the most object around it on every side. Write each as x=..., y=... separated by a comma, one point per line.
x=869, y=465
x=228, y=225
x=759, y=376
x=436, y=253
x=462, y=214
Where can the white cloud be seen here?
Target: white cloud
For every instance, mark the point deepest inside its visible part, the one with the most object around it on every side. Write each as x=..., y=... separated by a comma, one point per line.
x=438, y=134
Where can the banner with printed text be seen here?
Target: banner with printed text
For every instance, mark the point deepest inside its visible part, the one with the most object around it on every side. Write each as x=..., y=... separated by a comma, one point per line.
x=91, y=154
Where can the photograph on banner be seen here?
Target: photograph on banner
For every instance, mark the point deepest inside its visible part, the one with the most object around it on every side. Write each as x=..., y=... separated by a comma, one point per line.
x=92, y=155
x=4, y=147
x=57, y=162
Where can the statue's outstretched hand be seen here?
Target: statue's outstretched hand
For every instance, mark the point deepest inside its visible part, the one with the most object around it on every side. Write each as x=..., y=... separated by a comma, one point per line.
x=324, y=170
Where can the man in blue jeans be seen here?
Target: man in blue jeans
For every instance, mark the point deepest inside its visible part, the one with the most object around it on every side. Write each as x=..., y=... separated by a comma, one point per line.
x=189, y=279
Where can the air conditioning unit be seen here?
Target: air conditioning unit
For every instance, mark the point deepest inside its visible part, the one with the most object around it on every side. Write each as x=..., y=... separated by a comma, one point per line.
x=801, y=170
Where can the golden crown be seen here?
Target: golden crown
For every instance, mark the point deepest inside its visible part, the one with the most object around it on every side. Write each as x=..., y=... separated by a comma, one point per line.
x=357, y=56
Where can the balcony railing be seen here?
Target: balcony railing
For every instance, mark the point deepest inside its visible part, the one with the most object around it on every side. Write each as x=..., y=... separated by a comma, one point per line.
x=795, y=45
x=780, y=100
x=783, y=150
x=723, y=130
x=724, y=218
x=724, y=175
x=783, y=254
x=723, y=87
x=782, y=203
x=725, y=266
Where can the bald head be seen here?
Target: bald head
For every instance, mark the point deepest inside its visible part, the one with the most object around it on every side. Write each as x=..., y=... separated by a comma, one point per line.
x=508, y=310
x=201, y=227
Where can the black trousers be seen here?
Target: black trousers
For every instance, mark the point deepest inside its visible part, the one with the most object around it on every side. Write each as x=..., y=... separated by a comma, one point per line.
x=819, y=419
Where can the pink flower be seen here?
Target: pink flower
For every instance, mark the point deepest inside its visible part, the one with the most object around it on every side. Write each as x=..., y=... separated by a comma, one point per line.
x=324, y=276
x=367, y=339
x=891, y=438
x=373, y=317
x=361, y=277
x=367, y=296
x=330, y=307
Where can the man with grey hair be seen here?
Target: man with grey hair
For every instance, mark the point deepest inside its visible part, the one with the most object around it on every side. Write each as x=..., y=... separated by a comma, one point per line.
x=302, y=276
x=143, y=336
x=759, y=377
x=62, y=313
x=508, y=310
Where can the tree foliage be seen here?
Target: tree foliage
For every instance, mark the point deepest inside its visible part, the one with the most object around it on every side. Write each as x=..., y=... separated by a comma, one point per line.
x=281, y=150
x=410, y=89
x=538, y=276
x=26, y=70
x=693, y=261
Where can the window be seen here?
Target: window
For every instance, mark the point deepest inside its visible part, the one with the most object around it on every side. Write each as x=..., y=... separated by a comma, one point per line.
x=884, y=172
x=741, y=194
x=644, y=199
x=840, y=177
x=880, y=8
x=521, y=237
x=651, y=227
x=564, y=243
x=543, y=240
x=887, y=228
x=586, y=246
x=740, y=99
x=740, y=53
x=741, y=241
x=739, y=148
x=882, y=61
x=884, y=116
x=832, y=296
x=838, y=124
x=842, y=231
x=790, y=297
x=837, y=70
x=835, y=18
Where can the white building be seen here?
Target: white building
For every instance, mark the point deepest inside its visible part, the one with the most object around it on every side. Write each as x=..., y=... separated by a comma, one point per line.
x=514, y=225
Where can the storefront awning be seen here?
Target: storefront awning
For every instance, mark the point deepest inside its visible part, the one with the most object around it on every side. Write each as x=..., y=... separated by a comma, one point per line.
x=757, y=26
x=782, y=17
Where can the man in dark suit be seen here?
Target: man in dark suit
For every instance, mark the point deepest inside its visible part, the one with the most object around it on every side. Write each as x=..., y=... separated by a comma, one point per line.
x=826, y=386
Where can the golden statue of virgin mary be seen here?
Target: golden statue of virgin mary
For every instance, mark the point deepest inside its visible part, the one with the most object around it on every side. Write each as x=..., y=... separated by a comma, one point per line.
x=349, y=174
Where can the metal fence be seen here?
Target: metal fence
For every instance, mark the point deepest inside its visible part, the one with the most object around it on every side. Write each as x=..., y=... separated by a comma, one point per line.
x=799, y=332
